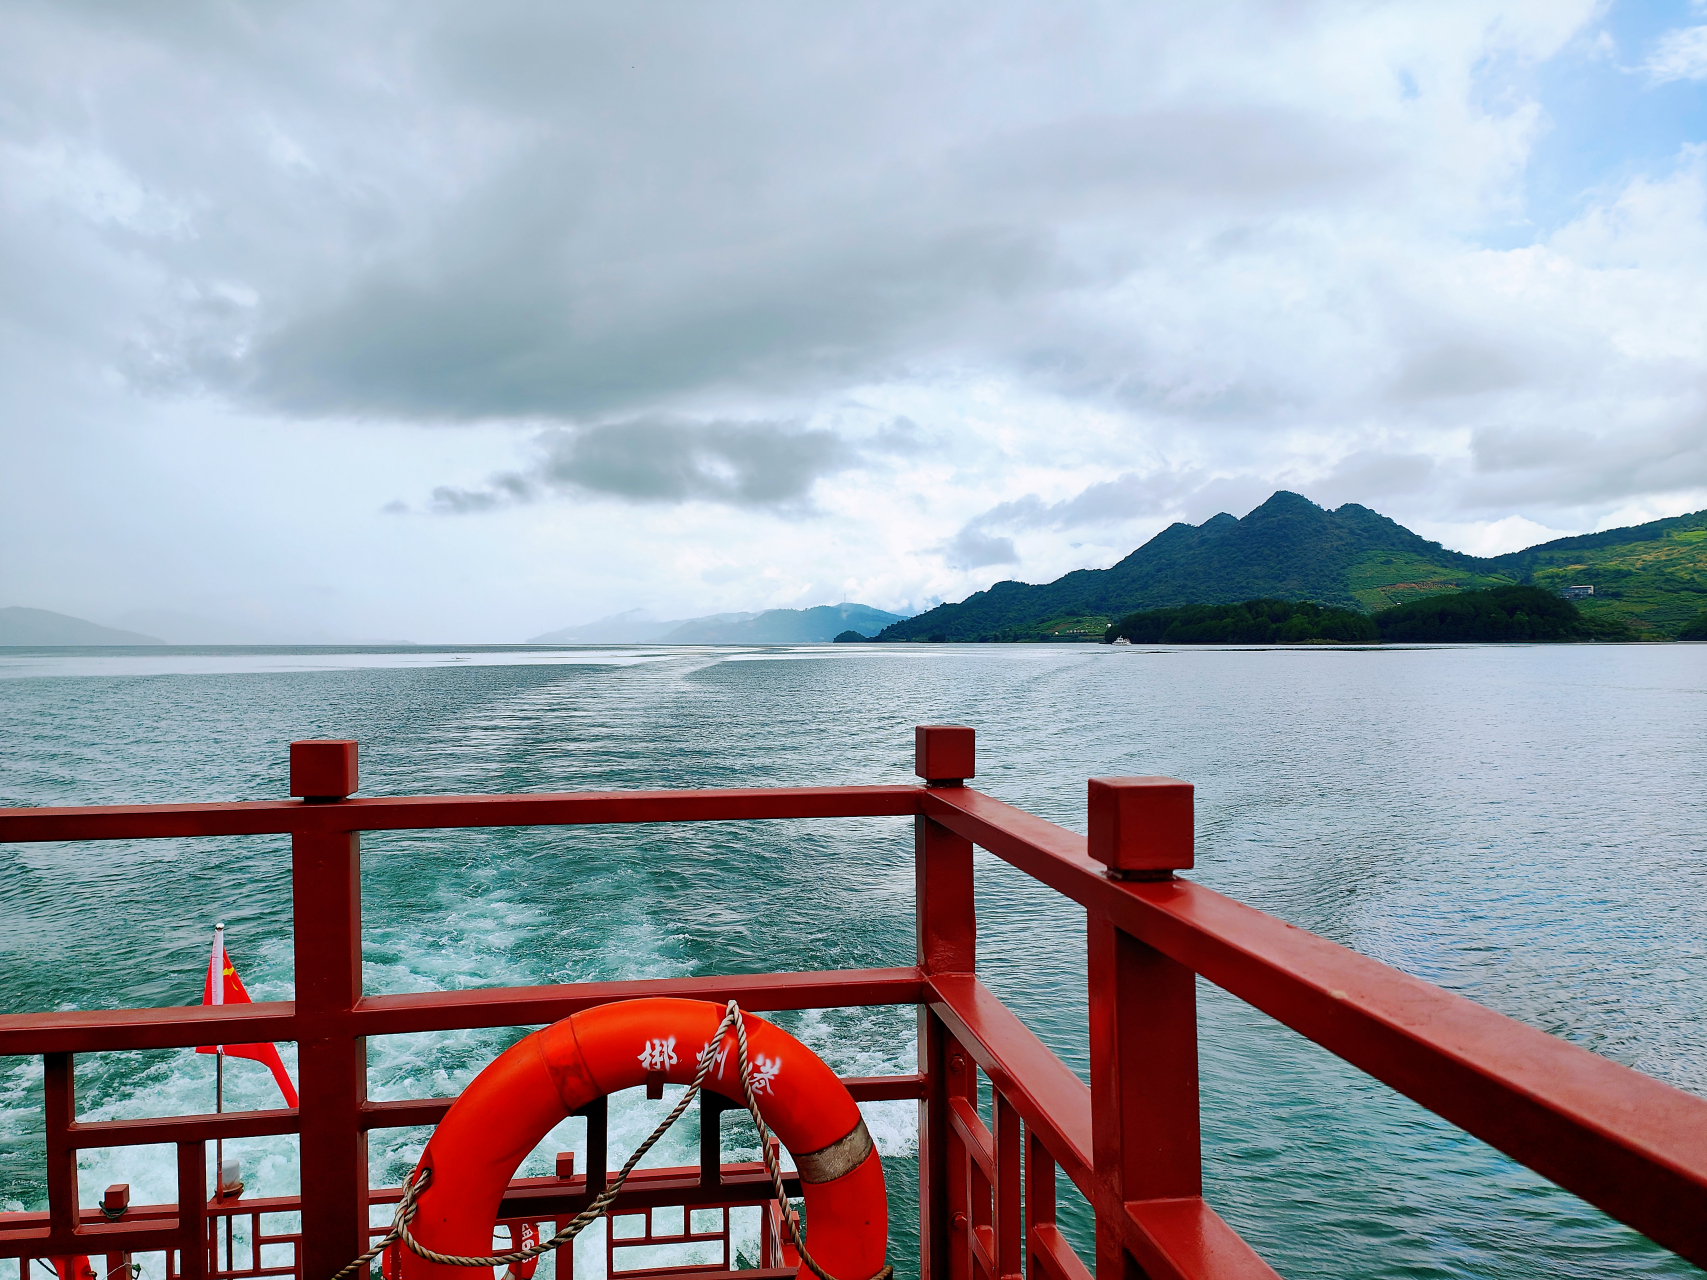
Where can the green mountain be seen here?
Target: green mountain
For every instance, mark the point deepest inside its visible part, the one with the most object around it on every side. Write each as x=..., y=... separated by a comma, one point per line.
x=1652, y=576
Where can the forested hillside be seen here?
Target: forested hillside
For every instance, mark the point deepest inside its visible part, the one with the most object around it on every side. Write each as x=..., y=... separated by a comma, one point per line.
x=1526, y=614
x=1253, y=622
x=1652, y=577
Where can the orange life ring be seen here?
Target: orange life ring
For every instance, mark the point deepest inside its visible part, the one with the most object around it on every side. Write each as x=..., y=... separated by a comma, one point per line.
x=511, y=1105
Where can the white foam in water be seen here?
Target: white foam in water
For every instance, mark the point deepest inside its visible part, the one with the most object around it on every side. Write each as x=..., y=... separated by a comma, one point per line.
x=169, y=661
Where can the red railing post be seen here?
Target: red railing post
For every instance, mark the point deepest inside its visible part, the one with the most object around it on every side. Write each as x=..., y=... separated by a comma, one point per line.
x=944, y=756
x=1039, y=1202
x=1009, y=1229
x=114, y=1204
x=60, y=1105
x=332, y=1062
x=1143, y=1017
x=954, y=1190
x=192, y=1211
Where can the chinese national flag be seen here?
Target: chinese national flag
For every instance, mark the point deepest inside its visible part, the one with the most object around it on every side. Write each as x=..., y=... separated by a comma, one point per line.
x=223, y=986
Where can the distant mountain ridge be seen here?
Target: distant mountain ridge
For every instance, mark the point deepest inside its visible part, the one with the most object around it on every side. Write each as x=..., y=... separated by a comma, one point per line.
x=1652, y=576
x=787, y=626
x=816, y=625
x=21, y=626
x=178, y=628
x=636, y=626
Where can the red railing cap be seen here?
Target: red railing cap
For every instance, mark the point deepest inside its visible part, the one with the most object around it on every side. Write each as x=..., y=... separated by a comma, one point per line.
x=944, y=753
x=323, y=768
x=1140, y=825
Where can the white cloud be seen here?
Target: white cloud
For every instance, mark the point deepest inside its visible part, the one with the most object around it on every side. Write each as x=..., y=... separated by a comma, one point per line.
x=1491, y=537
x=1681, y=54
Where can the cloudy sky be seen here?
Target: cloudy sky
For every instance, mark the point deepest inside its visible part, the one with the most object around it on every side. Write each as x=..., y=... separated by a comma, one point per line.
x=465, y=322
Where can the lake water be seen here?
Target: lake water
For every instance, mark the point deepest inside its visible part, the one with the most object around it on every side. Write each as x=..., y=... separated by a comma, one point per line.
x=1524, y=825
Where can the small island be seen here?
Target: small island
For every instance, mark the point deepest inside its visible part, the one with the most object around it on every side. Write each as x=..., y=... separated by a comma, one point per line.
x=1510, y=613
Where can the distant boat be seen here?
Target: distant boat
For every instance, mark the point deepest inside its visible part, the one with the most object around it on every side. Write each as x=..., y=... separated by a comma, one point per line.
x=1121, y=640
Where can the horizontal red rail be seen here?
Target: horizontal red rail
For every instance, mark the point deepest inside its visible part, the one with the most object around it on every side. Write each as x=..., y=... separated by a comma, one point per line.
x=184, y=1026
x=177, y=1027
x=422, y=813
x=528, y=1006
x=400, y=1114
x=144, y=1227
x=35, y=1241
x=88, y=1135
x=746, y=1183
x=424, y=1111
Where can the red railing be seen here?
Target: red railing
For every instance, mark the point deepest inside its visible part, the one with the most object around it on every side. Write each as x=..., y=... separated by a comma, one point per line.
x=1129, y=1142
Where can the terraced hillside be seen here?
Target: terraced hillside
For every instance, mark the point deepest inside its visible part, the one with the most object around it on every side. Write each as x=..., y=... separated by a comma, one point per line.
x=1652, y=576
x=1386, y=578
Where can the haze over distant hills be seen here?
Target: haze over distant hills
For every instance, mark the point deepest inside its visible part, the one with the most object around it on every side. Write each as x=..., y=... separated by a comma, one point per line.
x=194, y=629
x=20, y=626
x=636, y=626
x=786, y=626
x=1653, y=576
x=774, y=626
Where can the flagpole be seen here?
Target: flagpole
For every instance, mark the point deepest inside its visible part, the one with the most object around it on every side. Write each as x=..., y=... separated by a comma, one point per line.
x=219, y=1060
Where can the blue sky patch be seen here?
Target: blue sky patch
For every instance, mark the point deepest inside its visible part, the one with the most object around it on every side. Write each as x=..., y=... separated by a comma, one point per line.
x=1610, y=115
